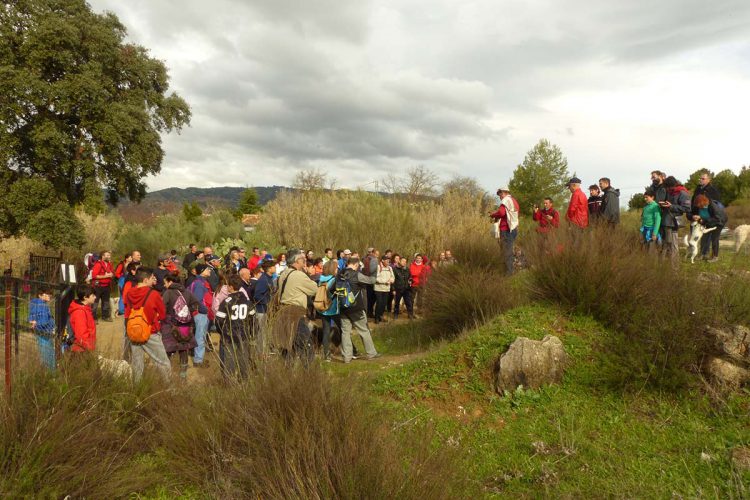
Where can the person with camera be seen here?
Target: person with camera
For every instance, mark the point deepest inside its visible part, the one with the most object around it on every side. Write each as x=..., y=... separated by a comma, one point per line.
x=548, y=218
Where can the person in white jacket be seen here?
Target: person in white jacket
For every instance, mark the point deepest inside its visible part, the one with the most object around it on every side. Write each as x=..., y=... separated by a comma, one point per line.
x=383, y=282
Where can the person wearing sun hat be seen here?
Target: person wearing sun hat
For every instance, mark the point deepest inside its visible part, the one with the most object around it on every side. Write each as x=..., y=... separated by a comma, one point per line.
x=507, y=215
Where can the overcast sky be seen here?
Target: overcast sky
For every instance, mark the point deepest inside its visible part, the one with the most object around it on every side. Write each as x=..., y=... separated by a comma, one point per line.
x=361, y=89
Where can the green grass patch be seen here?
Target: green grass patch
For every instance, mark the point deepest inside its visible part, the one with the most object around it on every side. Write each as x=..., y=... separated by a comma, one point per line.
x=576, y=439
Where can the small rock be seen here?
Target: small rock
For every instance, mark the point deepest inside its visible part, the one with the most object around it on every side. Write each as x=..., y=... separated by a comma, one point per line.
x=530, y=364
x=733, y=342
x=726, y=373
x=710, y=278
x=705, y=457
x=540, y=448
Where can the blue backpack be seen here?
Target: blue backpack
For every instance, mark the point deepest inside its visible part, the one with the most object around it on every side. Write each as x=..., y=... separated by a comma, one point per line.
x=343, y=293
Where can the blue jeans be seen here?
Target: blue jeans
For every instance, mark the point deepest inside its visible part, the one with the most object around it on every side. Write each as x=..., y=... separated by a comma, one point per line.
x=46, y=346
x=508, y=238
x=201, y=329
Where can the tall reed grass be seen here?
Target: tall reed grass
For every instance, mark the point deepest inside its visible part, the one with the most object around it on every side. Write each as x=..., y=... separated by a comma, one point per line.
x=358, y=219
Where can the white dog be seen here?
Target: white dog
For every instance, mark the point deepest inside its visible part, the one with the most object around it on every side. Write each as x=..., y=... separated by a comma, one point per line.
x=740, y=235
x=692, y=240
x=115, y=367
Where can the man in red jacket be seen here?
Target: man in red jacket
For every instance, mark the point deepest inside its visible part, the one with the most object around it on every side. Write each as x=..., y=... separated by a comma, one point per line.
x=578, y=210
x=548, y=218
x=144, y=296
x=101, y=277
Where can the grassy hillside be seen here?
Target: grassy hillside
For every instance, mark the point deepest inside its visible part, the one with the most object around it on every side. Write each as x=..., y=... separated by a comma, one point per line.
x=579, y=439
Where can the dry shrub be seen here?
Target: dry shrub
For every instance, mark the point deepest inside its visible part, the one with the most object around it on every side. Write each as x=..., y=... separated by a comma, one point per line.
x=462, y=296
x=739, y=213
x=78, y=433
x=656, y=313
x=359, y=219
x=17, y=250
x=292, y=433
x=101, y=231
x=286, y=433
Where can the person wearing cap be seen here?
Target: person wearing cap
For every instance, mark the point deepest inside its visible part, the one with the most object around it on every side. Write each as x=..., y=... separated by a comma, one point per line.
x=344, y=258
x=578, y=211
x=213, y=263
x=160, y=272
x=507, y=215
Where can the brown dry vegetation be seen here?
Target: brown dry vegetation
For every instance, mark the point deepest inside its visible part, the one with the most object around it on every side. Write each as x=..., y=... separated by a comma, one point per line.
x=358, y=219
x=286, y=433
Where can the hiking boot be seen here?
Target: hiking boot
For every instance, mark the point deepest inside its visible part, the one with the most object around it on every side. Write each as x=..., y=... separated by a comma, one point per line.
x=714, y=259
x=108, y=320
x=328, y=359
x=203, y=364
x=374, y=356
x=395, y=316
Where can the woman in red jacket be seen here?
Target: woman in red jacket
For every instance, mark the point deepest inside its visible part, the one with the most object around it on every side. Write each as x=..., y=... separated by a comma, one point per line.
x=417, y=273
x=82, y=320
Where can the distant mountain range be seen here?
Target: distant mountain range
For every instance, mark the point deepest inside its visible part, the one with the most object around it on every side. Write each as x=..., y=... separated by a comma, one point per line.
x=172, y=199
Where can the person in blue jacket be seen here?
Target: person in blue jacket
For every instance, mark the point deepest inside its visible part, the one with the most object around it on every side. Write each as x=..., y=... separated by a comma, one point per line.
x=43, y=324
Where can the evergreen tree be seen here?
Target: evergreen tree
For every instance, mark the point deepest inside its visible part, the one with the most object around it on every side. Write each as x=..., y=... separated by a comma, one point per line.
x=82, y=109
x=637, y=202
x=192, y=212
x=543, y=173
x=248, y=202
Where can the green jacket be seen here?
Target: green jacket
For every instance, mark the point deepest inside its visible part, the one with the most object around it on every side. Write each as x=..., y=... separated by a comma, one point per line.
x=651, y=216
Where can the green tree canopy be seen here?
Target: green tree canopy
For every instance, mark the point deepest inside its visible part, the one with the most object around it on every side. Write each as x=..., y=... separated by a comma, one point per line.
x=192, y=212
x=543, y=173
x=81, y=109
x=248, y=202
x=637, y=202
x=727, y=183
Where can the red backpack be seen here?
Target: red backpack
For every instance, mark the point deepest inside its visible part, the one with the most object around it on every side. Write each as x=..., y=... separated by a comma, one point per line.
x=208, y=298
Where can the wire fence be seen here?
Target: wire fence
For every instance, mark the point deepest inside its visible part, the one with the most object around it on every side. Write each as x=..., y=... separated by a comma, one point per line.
x=31, y=325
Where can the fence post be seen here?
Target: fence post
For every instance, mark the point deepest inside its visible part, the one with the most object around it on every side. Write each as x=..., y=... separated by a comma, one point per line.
x=16, y=313
x=7, y=336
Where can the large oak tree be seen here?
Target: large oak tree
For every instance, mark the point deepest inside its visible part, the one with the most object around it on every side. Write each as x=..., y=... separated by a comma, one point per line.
x=80, y=108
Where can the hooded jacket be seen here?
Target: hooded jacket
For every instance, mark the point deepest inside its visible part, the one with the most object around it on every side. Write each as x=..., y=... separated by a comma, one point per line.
x=679, y=197
x=84, y=327
x=153, y=305
x=417, y=274
x=610, y=211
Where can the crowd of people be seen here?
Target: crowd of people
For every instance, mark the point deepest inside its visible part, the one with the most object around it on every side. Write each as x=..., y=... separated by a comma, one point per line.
x=170, y=309
x=669, y=206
